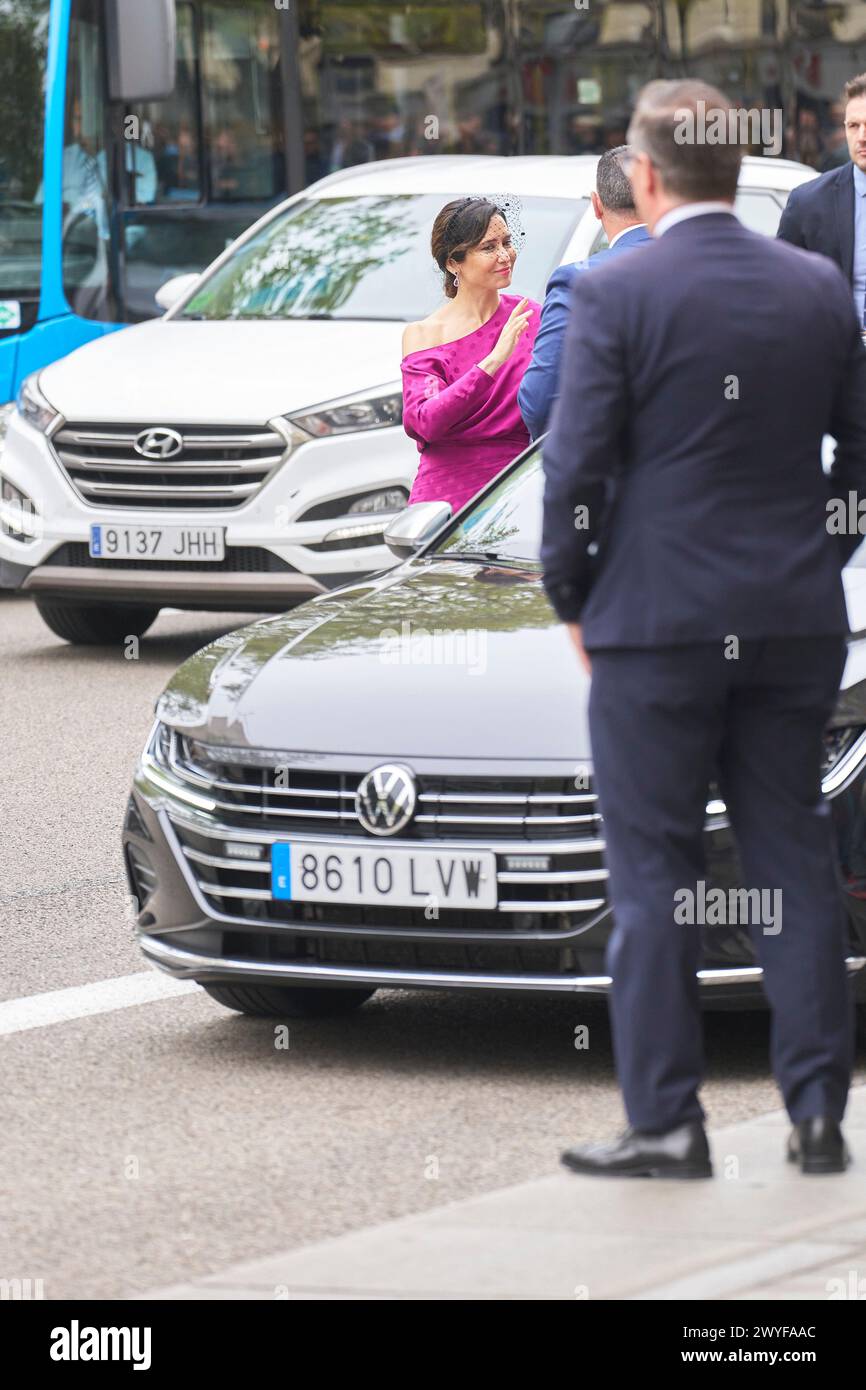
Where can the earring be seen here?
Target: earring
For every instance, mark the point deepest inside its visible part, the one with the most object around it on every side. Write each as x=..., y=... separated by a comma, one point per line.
x=456, y=281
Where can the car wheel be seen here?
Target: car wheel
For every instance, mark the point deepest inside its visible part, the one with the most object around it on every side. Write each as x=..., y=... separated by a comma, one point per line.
x=286, y=1001
x=97, y=626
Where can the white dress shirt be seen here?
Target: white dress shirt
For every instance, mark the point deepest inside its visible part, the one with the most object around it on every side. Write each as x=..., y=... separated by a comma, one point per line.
x=633, y=228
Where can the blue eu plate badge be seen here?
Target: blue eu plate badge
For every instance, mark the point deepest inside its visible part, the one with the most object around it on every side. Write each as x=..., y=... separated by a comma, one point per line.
x=281, y=872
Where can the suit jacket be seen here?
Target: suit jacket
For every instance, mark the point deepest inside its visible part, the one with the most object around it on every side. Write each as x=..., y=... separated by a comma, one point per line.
x=698, y=380
x=819, y=216
x=540, y=384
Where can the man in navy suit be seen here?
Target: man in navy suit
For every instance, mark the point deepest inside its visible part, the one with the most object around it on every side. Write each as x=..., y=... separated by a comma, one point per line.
x=613, y=205
x=829, y=214
x=687, y=543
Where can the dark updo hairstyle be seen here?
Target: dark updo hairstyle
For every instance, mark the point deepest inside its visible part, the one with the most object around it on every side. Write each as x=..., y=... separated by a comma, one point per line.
x=458, y=227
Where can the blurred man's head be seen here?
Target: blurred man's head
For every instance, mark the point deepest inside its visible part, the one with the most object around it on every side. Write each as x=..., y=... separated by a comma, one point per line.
x=613, y=199
x=674, y=162
x=855, y=119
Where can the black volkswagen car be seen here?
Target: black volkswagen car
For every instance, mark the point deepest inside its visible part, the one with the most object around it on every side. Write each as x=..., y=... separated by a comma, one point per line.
x=391, y=787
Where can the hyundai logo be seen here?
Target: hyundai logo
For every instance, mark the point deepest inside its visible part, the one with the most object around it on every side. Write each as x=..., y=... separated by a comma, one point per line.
x=385, y=799
x=160, y=443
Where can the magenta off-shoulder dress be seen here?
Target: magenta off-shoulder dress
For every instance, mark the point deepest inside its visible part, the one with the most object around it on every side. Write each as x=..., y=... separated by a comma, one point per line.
x=467, y=422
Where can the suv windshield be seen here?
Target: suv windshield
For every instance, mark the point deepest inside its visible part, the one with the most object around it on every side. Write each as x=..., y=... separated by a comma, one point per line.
x=368, y=257
x=506, y=521
x=23, y=48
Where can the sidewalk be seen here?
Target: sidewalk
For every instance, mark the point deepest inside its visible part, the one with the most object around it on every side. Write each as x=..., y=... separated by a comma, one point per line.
x=760, y=1230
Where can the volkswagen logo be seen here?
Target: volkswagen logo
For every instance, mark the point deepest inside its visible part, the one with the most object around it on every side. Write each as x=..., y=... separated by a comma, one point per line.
x=160, y=443
x=385, y=799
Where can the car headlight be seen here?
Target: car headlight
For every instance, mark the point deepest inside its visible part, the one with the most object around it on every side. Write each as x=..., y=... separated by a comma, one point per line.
x=375, y=412
x=159, y=746
x=844, y=751
x=156, y=767
x=34, y=407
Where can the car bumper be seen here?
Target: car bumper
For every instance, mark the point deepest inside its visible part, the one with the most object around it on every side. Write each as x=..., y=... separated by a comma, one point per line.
x=274, y=558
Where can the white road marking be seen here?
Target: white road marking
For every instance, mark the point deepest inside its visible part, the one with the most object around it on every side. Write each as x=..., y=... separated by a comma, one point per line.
x=80, y=1001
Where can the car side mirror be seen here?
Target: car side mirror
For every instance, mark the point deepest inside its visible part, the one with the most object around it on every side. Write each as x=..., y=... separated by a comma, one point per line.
x=173, y=291
x=415, y=526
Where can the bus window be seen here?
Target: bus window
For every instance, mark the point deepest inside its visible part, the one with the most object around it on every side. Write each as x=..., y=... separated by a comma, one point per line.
x=168, y=131
x=243, y=102
x=23, y=47
x=86, y=217
x=204, y=193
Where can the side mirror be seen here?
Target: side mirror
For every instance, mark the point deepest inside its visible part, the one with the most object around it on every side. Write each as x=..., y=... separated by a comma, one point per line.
x=415, y=526
x=140, y=43
x=173, y=291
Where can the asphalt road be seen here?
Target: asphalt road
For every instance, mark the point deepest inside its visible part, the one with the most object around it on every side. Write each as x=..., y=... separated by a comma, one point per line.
x=157, y=1142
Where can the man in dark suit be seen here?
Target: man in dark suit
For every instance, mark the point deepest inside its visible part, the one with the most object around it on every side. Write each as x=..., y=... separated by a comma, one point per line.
x=613, y=205
x=687, y=546
x=829, y=214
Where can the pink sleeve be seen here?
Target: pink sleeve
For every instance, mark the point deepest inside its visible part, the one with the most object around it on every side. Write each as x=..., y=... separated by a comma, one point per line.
x=431, y=408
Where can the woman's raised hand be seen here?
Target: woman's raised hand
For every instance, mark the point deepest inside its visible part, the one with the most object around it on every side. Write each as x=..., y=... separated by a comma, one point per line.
x=507, y=341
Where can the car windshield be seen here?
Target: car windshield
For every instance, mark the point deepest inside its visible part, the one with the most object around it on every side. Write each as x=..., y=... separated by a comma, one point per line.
x=506, y=521
x=368, y=257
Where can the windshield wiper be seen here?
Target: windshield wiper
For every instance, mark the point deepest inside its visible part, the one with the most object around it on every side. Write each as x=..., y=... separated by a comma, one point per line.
x=495, y=556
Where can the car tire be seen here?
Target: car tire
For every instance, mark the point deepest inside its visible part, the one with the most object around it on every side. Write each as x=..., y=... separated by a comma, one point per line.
x=96, y=626
x=286, y=1001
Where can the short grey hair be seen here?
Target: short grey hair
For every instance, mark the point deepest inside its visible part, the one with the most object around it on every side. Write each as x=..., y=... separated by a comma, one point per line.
x=692, y=170
x=613, y=188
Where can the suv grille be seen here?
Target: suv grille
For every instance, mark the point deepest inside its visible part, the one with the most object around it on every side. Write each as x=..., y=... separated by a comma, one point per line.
x=218, y=467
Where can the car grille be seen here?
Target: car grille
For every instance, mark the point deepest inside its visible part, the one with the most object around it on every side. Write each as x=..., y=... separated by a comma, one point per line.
x=547, y=819
x=217, y=467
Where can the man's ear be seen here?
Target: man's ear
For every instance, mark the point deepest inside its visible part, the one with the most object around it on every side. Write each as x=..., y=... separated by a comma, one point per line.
x=596, y=204
x=653, y=185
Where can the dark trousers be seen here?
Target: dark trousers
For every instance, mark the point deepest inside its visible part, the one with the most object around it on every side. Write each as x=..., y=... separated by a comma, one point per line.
x=663, y=721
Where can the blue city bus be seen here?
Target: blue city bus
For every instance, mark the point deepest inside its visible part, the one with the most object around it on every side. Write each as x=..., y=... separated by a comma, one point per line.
x=137, y=139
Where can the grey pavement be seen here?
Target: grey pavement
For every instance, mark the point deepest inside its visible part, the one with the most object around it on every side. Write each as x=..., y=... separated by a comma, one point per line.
x=760, y=1230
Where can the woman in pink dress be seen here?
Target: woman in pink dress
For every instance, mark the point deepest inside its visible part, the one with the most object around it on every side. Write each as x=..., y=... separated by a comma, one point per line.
x=462, y=366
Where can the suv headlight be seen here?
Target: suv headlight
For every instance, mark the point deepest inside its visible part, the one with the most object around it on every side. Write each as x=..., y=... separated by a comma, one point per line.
x=374, y=412
x=34, y=407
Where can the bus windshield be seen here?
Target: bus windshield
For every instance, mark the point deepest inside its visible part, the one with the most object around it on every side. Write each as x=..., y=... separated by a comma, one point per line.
x=23, y=49
x=366, y=257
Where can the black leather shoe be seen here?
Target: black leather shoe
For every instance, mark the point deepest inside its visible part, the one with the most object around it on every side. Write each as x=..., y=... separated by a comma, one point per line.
x=679, y=1153
x=818, y=1146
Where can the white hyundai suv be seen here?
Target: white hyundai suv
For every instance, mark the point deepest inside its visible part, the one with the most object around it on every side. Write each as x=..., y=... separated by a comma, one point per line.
x=245, y=451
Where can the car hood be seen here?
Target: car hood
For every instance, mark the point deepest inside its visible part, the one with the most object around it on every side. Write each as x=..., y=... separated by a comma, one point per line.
x=438, y=659
x=174, y=372
x=441, y=659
